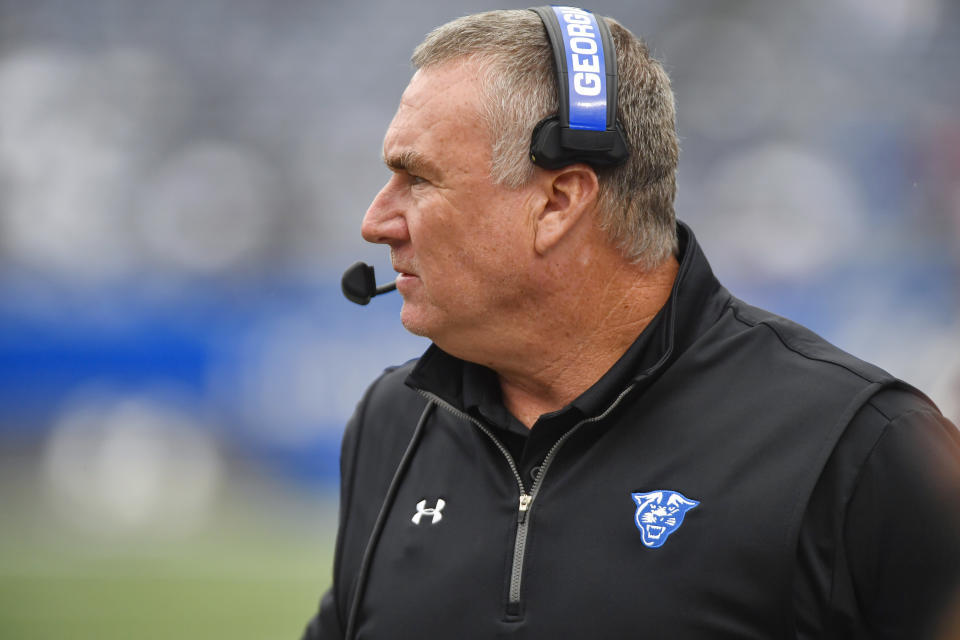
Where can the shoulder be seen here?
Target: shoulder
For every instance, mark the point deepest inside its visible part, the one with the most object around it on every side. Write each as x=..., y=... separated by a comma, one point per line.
x=888, y=404
x=791, y=343
x=912, y=447
x=902, y=522
x=898, y=430
x=881, y=534
x=389, y=393
x=387, y=414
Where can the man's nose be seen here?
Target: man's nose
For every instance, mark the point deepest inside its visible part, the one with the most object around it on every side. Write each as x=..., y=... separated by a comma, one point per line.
x=384, y=222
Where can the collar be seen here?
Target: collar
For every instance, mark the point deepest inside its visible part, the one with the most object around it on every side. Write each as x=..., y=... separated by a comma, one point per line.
x=696, y=302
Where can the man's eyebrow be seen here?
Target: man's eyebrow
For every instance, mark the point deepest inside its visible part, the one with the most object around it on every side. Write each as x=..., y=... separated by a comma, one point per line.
x=411, y=162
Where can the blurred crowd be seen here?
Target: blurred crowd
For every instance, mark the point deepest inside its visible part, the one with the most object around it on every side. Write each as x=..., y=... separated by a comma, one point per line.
x=181, y=185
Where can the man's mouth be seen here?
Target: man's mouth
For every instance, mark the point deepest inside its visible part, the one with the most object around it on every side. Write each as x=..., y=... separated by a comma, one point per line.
x=403, y=272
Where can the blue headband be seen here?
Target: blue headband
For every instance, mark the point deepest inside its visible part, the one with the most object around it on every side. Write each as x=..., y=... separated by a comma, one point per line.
x=585, y=129
x=585, y=69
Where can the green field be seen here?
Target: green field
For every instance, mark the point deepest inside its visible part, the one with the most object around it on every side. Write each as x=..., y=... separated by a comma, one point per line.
x=255, y=571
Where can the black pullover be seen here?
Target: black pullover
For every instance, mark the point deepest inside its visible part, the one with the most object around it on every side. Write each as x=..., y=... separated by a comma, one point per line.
x=733, y=475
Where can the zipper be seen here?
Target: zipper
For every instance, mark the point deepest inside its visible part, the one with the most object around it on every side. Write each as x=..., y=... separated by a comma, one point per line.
x=466, y=416
x=519, y=549
x=526, y=500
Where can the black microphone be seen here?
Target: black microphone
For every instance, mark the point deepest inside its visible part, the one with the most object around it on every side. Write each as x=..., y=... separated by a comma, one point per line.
x=359, y=285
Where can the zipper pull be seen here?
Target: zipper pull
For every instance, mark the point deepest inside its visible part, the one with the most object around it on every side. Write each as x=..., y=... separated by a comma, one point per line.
x=525, y=501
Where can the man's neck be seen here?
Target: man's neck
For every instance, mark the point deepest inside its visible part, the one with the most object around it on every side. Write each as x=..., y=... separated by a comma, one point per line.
x=579, y=343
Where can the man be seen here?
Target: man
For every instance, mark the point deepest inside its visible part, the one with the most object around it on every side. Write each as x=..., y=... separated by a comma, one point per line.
x=602, y=442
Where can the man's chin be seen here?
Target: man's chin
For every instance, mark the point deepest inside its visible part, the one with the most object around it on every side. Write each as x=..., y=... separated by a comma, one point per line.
x=413, y=321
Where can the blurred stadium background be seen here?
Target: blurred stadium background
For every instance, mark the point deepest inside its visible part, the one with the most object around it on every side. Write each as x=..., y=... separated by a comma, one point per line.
x=181, y=184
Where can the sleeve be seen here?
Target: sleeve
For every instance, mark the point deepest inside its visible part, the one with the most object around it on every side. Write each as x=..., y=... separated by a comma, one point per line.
x=327, y=624
x=902, y=532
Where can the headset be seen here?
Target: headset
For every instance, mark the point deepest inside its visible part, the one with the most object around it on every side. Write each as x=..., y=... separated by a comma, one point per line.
x=585, y=127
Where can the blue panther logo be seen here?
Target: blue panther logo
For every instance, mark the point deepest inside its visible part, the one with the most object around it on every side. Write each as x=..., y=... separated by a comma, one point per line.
x=660, y=513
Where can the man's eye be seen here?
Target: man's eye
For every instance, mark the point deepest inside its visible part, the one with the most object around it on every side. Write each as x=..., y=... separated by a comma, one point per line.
x=417, y=180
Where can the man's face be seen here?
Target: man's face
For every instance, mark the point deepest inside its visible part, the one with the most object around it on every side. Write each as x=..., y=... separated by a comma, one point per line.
x=460, y=243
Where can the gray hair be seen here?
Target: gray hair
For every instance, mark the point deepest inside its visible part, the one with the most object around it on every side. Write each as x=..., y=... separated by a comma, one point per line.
x=519, y=83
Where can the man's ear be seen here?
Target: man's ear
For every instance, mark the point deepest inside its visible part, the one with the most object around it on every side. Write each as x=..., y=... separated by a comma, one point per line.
x=571, y=194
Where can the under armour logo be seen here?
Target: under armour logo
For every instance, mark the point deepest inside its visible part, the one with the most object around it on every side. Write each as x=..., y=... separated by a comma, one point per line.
x=432, y=512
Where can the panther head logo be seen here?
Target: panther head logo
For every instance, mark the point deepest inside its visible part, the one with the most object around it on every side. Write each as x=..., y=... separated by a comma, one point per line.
x=660, y=513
